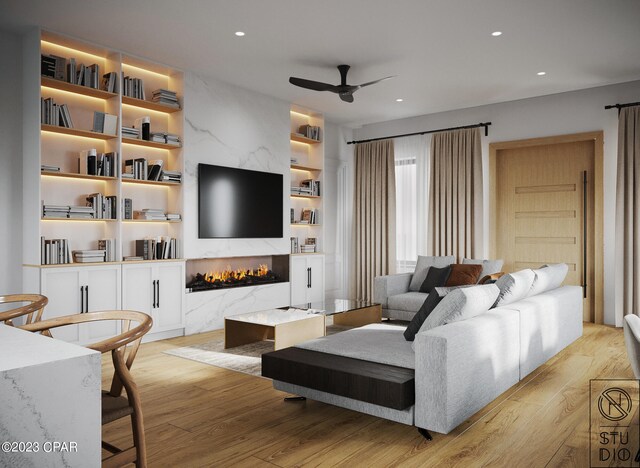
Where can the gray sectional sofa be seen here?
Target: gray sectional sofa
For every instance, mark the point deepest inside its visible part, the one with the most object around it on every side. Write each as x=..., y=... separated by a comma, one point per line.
x=458, y=367
x=400, y=294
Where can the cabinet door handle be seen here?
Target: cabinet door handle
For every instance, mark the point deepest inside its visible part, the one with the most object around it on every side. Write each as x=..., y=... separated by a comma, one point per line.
x=81, y=299
x=86, y=299
x=154, y=294
x=310, y=278
x=158, y=295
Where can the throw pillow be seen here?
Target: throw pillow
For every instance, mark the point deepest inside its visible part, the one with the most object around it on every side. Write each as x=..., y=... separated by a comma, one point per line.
x=548, y=277
x=432, y=300
x=514, y=286
x=464, y=274
x=489, y=267
x=435, y=277
x=423, y=264
x=461, y=304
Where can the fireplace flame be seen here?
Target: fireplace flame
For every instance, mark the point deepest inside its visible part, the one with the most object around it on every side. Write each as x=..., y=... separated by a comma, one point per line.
x=238, y=274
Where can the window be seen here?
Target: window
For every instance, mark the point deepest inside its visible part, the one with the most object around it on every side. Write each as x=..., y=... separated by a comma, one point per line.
x=406, y=211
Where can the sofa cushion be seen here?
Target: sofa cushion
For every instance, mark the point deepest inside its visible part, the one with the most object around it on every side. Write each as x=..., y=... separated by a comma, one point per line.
x=377, y=342
x=463, y=274
x=514, y=286
x=423, y=264
x=461, y=304
x=548, y=277
x=435, y=277
x=489, y=267
x=411, y=301
x=433, y=299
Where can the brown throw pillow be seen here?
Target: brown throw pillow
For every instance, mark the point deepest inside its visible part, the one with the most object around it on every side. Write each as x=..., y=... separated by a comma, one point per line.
x=462, y=274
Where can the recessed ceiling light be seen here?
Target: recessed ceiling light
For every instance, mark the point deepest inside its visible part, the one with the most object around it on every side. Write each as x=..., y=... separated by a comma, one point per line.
x=399, y=100
x=542, y=73
x=496, y=33
x=239, y=33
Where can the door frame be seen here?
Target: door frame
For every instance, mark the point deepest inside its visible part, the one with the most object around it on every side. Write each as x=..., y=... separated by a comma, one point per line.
x=598, y=145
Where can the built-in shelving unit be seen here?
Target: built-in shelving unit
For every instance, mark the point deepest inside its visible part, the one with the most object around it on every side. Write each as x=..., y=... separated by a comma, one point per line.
x=61, y=147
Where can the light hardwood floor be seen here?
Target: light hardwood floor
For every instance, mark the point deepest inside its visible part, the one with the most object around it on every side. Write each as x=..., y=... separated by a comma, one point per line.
x=200, y=415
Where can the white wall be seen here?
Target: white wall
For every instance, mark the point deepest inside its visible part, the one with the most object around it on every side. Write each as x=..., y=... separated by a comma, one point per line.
x=566, y=113
x=230, y=126
x=11, y=164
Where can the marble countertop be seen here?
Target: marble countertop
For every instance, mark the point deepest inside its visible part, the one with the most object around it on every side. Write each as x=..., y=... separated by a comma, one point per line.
x=20, y=349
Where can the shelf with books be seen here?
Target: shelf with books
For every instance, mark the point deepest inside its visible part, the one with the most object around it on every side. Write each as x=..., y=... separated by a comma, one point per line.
x=151, y=182
x=84, y=220
x=77, y=132
x=306, y=224
x=76, y=89
x=299, y=167
x=303, y=139
x=149, y=105
x=150, y=144
x=299, y=195
x=161, y=221
x=73, y=175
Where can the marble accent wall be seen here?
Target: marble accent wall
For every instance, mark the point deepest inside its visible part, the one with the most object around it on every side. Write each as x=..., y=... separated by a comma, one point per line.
x=50, y=401
x=206, y=310
x=229, y=126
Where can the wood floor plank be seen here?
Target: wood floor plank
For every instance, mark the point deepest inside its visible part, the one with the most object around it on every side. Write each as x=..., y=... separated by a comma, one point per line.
x=201, y=415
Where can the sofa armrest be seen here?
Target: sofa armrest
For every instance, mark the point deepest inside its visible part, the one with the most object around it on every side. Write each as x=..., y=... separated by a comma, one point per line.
x=390, y=285
x=463, y=366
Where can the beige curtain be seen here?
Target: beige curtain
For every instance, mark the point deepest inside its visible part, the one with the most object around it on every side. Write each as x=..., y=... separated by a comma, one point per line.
x=628, y=208
x=375, y=217
x=455, y=201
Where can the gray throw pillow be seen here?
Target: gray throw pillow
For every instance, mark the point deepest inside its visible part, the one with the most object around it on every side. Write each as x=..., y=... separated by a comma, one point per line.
x=461, y=304
x=548, y=277
x=514, y=286
x=489, y=267
x=423, y=264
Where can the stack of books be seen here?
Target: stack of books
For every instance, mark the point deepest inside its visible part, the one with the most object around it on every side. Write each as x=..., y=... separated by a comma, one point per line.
x=54, y=114
x=138, y=168
x=110, y=82
x=103, y=207
x=131, y=132
x=310, y=131
x=173, y=217
x=127, y=208
x=167, y=138
x=150, y=214
x=309, y=216
x=55, y=211
x=157, y=248
x=301, y=191
x=49, y=168
x=88, y=256
x=54, y=251
x=311, y=186
x=81, y=212
x=57, y=68
x=171, y=176
x=166, y=97
x=295, y=248
x=91, y=162
x=307, y=248
x=109, y=247
x=133, y=87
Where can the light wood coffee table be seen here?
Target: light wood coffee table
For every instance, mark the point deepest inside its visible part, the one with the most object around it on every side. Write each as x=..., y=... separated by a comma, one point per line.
x=285, y=327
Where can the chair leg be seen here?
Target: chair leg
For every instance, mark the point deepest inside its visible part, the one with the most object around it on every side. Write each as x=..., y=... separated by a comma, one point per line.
x=424, y=433
x=137, y=427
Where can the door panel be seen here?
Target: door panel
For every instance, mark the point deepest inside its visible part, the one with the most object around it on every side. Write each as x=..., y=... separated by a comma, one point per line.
x=540, y=210
x=169, y=313
x=103, y=294
x=316, y=291
x=137, y=288
x=62, y=287
x=299, y=280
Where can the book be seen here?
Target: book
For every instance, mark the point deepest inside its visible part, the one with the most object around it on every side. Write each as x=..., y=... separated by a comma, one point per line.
x=155, y=169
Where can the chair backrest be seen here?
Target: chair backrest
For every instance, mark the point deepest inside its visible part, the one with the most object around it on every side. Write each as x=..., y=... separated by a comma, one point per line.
x=123, y=347
x=31, y=311
x=631, y=326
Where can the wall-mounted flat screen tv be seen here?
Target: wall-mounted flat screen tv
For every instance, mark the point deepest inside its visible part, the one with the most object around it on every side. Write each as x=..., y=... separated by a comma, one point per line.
x=238, y=203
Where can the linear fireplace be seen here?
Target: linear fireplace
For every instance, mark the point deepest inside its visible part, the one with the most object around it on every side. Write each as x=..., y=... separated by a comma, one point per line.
x=233, y=272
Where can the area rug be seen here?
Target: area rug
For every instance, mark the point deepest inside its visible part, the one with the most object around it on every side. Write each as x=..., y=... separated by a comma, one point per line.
x=246, y=358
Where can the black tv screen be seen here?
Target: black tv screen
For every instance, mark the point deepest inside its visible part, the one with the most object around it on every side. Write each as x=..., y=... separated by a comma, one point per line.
x=237, y=203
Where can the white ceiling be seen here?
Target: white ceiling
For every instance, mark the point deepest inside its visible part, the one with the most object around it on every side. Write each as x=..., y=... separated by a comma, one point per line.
x=441, y=50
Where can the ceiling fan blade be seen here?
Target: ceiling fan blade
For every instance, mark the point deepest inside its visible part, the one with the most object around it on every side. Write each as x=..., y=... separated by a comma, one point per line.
x=346, y=97
x=376, y=81
x=314, y=85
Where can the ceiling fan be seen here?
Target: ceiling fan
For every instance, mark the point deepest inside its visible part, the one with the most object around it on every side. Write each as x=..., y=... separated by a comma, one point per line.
x=343, y=90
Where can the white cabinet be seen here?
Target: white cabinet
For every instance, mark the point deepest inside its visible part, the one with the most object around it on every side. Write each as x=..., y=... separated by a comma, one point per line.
x=76, y=290
x=306, y=276
x=156, y=289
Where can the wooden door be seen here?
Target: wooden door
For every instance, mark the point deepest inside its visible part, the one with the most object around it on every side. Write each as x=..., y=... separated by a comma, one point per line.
x=545, y=209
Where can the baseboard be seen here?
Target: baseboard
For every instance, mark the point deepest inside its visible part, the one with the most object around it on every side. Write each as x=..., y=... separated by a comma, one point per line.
x=163, y=335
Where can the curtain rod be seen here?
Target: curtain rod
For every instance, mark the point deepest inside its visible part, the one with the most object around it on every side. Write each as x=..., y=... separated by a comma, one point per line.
x=481, y=124
x=621, y=106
